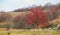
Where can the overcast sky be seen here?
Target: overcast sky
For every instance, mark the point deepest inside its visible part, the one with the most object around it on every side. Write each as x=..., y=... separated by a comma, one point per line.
x=9, y=5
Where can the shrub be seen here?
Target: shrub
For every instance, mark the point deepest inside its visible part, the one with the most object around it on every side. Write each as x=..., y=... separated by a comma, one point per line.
x=18, y=21
x=4, y=16
x=53, y=12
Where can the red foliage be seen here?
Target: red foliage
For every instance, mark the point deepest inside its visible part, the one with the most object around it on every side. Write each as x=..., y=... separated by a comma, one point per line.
x=36, y=16
x=29, y=18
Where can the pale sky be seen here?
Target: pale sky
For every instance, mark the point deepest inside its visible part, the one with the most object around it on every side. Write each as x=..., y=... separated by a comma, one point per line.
x=9, y=5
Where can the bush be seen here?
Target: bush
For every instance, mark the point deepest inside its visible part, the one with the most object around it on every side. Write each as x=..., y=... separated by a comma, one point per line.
x=4, y=16
x=18, y=22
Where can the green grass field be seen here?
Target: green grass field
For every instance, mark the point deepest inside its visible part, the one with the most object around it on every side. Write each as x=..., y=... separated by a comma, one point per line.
x=31, y=32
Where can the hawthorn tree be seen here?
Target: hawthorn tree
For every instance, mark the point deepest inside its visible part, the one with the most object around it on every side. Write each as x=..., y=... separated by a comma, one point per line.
x=37, y=17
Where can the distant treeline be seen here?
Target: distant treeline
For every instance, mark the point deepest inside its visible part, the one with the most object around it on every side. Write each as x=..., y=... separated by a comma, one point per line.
x=46, y=7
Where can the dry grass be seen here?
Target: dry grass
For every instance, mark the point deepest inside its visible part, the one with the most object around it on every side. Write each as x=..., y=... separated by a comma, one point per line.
x=56, y=21
x=29, y=32
x=3, y=29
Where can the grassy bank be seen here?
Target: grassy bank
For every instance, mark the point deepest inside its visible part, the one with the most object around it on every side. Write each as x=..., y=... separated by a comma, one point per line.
x=31, y=32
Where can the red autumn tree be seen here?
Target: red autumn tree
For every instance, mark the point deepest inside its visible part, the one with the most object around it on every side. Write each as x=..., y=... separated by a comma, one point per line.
x=37, y=17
